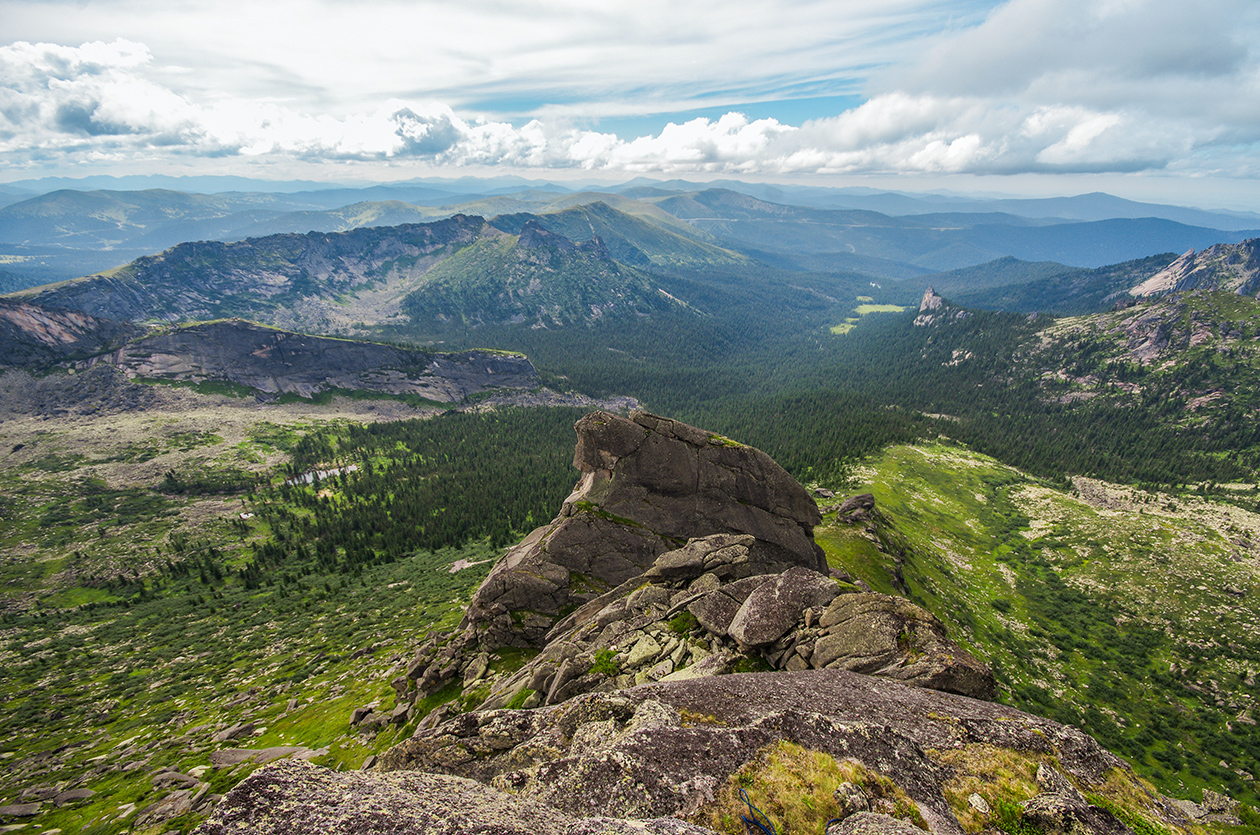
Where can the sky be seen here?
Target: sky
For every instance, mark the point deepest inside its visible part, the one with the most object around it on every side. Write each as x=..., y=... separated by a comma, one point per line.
x=1149, y=99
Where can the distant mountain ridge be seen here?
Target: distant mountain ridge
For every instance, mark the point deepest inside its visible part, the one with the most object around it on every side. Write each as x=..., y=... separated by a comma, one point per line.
x=884, y=234
x=457, y=269
x=274, y=361
x=940, y=241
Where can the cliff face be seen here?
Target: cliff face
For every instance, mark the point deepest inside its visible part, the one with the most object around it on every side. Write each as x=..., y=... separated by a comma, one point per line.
x=1231, y=267
x=32, y=335
x=275, y=361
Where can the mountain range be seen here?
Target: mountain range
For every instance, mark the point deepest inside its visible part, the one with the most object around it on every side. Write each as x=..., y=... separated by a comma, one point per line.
x=67, y=233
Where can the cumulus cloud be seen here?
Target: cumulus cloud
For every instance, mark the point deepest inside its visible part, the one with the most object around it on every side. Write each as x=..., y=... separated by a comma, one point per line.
x=1068, y=86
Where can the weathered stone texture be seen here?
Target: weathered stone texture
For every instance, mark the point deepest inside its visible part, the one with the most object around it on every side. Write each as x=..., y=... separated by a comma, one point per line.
x=648, y=485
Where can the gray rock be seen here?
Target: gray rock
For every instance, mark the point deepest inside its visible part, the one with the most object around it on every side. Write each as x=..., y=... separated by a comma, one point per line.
x=236, y=731
x=646, y=482
x=1220, y=808
x=777, y=605
x=39, y=793
x=235, y=756
x=856, y=508
x=1053, y=781
x=1217, y=803
x=1191, y=809
x=714, y=611
x=164, y=779
x=298, y=799
x=889, y=636
x=172, y=806
x=1067, y=813
x=359, y=714
x=637, y=766
x=872, y=823
x=851, y=799
x=72, y=796
x=20, y=810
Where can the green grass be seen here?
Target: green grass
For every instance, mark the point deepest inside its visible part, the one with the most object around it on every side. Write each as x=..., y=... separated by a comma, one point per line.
x=861, y=310
x=866, y=309
x=1099, y=607
x=162, y=672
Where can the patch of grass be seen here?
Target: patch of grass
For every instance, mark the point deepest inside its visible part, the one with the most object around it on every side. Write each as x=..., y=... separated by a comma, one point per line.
x=518, y=701
x=1140, y=824
x=1004, y=778
x=605, y=663
x=794, y=787
x=1080, y=597
x=684, y=623
x=866, y=309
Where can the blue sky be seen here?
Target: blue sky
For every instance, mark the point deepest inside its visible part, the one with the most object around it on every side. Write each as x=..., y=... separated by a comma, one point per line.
x=1150, y=99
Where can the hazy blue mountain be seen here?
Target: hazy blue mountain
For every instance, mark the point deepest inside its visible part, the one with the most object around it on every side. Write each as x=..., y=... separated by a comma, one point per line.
x=939, y=241
x=1046, y=287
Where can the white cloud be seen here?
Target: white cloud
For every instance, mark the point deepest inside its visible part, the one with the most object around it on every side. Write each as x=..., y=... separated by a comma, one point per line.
x=1054, y=86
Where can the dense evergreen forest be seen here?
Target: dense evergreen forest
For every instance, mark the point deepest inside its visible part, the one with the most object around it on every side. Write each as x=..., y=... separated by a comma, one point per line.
x=770, y=372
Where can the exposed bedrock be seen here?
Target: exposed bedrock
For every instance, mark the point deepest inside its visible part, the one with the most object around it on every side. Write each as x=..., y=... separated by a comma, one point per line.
x=680, y=554
x=648, y=484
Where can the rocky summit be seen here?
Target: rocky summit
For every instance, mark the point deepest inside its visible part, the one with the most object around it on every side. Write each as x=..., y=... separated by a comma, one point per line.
x=679, y=554
x=602, y=674
x=648, y=485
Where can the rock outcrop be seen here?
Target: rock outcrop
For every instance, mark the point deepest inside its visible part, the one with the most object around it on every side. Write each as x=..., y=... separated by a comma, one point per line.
x=295, y=798
x=680, y=554
x=648, y=484
x=35, y=336
x=934, y=309
x=698, y=611
x=672, y=750
x=275, y=361
x=1233, y=268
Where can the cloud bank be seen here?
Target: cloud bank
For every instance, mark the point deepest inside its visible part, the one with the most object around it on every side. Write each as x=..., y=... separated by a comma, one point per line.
x=1052, y=86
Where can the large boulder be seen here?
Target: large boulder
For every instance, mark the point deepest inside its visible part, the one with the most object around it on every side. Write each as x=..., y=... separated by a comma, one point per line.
x=648, y=484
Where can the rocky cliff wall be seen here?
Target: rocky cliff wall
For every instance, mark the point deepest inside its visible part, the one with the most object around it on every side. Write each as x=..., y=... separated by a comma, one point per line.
x=276, y=362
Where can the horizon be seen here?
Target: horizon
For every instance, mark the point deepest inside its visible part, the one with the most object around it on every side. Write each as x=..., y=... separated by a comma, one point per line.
x=1148, y=100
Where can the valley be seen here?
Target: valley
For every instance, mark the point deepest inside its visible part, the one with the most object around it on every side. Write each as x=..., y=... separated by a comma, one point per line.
x=1072, y=496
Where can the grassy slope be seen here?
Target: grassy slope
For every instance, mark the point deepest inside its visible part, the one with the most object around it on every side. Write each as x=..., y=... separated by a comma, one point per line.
x=1132, y=615
x=116, y=666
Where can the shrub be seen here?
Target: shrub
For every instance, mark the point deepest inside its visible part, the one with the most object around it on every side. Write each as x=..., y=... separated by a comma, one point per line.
x=605, y=662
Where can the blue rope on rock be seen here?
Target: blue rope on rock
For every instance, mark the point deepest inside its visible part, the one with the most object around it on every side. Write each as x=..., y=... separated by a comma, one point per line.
x=758, y=818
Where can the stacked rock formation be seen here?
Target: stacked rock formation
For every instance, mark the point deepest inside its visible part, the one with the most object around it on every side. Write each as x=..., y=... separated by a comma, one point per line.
x=700, y=610
x=648, y=484
x=679, y=554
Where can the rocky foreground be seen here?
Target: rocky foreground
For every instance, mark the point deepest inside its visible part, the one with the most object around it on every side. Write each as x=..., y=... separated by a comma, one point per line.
x=680, y=558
